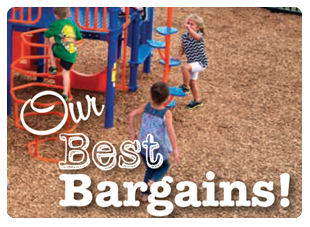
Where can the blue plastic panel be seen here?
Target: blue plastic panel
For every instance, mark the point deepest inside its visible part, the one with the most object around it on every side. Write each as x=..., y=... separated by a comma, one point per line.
x=175, y=91
x=166, y=31
x=144, y=51
x=172, y=63
x=156, y=44
x=171, y=104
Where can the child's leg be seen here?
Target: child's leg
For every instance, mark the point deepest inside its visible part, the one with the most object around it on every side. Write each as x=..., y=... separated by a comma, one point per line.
x=194, y=89
x=186, y=73
x=51, y=56
x=160, y=172
x=66, y=81
x=148, y=172
x=153, y=175
x=66, y=67
x=147, y=178
x=196, y=69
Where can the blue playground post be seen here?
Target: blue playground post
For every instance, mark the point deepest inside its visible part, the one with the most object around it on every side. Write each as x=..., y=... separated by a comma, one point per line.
x=9, y=62
x=149, y=36
x=112, y=53
x=40, y=62
x=119, y=46
x=133, y=86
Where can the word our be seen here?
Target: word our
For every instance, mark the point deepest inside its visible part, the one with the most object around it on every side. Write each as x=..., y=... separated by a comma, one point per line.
x=184, y=198
x=91, y=102
x=105, y=150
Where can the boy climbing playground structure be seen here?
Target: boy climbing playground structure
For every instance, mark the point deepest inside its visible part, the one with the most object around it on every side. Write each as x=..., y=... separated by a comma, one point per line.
x=27, y=54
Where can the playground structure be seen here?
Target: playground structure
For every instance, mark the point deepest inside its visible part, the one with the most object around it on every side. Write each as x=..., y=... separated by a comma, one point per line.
x=293, y=10
x=27, y=54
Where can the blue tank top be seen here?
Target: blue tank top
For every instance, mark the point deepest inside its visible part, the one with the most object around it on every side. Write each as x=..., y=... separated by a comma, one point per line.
x=153, y=122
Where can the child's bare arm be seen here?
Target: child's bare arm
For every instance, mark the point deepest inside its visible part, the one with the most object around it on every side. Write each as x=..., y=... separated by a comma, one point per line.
x=171, y=135
x=132, y=116
x=192, y=32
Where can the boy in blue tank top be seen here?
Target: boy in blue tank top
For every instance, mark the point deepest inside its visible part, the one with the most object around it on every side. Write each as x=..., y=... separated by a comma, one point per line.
x=157, y=121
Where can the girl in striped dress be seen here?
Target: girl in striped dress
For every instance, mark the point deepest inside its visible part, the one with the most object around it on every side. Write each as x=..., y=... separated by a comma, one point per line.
x=197, y=61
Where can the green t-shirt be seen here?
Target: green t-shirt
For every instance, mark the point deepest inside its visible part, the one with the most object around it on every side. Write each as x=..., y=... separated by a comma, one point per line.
x=65, y=33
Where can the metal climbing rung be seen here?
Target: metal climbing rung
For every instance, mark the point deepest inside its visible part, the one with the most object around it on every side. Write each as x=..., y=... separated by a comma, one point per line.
x=92, y=18
x=25, y=15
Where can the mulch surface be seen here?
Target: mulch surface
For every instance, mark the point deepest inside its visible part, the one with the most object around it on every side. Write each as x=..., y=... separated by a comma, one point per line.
x=249, y=129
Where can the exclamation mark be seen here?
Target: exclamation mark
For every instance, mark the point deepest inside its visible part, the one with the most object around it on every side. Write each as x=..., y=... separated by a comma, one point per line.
x=285, y=182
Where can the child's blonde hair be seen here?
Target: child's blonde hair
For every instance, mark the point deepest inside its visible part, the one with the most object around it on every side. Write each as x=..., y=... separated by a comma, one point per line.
x=199, y=21
x=62, y=12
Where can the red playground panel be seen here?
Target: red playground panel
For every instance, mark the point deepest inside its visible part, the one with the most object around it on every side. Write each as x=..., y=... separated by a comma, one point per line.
x=92, y=82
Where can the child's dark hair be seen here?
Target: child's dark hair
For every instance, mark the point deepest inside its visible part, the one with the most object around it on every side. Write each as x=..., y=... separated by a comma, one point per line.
x=159, y=92
x=62, y=12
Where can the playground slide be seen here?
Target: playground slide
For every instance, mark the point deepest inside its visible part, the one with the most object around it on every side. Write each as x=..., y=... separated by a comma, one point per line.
x=90, y=82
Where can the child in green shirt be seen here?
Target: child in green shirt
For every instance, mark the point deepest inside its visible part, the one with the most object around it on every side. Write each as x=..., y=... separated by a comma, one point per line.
x=62, y=35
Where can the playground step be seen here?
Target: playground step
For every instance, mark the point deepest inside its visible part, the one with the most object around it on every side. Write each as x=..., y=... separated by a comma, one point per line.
x=166, y=30
x=144, y=51
x=172, y=63
x=175, y=91
x=156, y=44
x=171, y=104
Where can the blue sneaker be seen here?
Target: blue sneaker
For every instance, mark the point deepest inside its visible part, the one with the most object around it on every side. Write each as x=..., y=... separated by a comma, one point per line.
x=65, y=97
x=184, y=88
x=194, y=104
x=53, y=70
